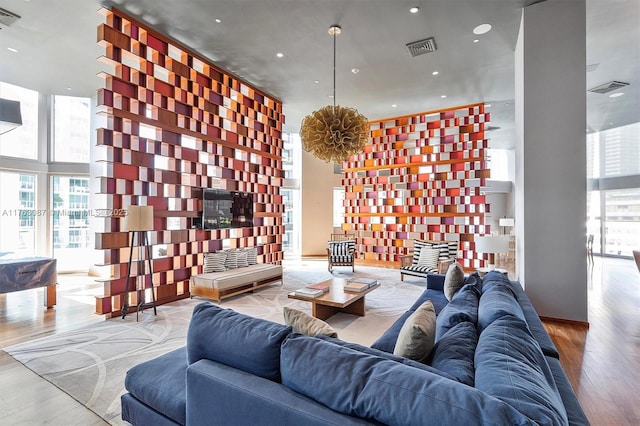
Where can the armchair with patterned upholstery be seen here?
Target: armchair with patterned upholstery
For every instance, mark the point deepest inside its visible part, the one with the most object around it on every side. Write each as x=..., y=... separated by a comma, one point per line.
x=341, y=251
x=428, y=257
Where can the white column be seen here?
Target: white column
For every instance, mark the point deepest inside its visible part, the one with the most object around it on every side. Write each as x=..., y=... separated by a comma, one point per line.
x=550, y=191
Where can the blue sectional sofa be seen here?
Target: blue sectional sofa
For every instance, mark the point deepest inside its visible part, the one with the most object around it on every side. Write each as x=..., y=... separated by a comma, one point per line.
x=492, y=364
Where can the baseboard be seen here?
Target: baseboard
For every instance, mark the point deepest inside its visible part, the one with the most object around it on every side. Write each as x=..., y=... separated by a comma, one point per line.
x=581, y=324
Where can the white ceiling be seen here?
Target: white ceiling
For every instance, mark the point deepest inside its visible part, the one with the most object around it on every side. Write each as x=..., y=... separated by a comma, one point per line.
x=57, y=51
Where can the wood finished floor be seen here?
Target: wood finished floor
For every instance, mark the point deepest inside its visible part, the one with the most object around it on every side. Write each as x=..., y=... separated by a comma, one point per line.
x=602, y=362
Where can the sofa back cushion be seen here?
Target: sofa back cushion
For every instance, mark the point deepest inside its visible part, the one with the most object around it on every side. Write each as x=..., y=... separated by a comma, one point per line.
x=511, y=366
x=238, y=340
x=454, y=352
x=497, y=300
x=463, y=307
x=387, y=355
x=370, y=387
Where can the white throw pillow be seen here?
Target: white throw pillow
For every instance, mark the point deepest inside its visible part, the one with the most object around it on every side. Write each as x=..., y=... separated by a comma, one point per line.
x=418, y=333
x=214, y=262
x=242, y=258
x=304, y=323
x=428, y=257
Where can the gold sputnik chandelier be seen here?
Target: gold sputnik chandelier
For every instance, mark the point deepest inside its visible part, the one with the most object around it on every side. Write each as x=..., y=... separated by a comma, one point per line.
x=334, y=133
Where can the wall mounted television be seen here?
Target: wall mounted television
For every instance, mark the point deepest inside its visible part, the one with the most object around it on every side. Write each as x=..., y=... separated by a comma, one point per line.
x=226, y=209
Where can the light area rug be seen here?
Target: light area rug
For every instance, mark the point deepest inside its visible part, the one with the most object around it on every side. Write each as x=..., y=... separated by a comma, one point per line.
x=90, y=363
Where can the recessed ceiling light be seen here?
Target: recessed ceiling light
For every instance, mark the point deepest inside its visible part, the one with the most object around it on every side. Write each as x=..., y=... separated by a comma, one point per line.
x=218, y=21
x=615, y=95
x=476, y=40
x=331, y=96
x=414, y=9
x=69, y=88
x=435, y=73
x=443, y=96
x=316, y=81
x=394, y=105
x=12, y=49
x=279, y=55
x=482, y=29
x=355, y=70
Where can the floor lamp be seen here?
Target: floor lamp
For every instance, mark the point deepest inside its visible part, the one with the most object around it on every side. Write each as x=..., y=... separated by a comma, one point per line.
x=138, y=221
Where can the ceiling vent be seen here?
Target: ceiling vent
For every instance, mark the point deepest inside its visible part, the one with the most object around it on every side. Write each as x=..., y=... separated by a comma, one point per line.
x=608, y=87
x=421, y=47
x=7, y=18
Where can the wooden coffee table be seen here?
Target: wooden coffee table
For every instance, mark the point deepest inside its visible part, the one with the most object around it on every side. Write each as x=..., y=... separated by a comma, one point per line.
x=336, y=300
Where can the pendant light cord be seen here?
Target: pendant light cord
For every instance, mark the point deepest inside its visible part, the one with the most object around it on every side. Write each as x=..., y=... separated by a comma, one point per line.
x=334, y=68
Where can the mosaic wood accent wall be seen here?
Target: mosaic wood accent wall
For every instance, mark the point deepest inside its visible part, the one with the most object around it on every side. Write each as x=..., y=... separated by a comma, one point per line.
x=177, y=124
x=419, y=177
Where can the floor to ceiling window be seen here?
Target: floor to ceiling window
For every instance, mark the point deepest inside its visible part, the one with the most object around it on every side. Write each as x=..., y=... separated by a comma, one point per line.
x=18, y=213
x=44, y=179
x=291, y=161
x=613, y=202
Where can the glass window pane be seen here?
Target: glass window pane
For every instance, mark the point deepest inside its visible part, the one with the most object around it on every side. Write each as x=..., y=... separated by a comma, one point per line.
x=72, y=126
x=71, y=216
x=621, y=150
x=622, y=210
x=22, y=141
x=18, y=213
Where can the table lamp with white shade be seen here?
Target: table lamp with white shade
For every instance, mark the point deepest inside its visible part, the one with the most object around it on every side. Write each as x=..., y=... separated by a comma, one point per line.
x=506, y=222
x=492, y=244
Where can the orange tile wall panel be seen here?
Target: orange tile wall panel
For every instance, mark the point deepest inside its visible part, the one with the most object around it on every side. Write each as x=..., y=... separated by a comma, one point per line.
x=201, y=139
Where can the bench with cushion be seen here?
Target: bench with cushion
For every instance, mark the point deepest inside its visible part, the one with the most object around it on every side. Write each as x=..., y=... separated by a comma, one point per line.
x=435, y=260
x=231, y=272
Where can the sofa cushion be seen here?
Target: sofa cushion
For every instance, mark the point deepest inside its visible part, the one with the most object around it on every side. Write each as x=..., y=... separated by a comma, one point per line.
x=453, y=280
x=453, y=353
x=214, y=262
x=417, y=334
x=238, y=340
x=496, y=301
x=301, y=322
x=237, y=277
x=463, y=307
x=161, y=384
x=387, y=341
x=510, y=366
x=387, y=355
x=370, y=387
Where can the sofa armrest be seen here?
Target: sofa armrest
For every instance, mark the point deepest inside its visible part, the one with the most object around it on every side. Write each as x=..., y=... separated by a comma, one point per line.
x=226, y=395
x=406, y=260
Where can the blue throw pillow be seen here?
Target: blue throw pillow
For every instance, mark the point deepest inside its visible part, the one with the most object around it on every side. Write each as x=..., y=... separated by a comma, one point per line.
x=237, y=340
x=497, y=300
x=463, y=307
x=511, y=366
x=454, y=352
x=370, y=387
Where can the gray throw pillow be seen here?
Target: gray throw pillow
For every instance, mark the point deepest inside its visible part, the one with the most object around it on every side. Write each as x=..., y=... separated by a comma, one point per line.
x=417, y=335
x=453, y=280
x=304, y=323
